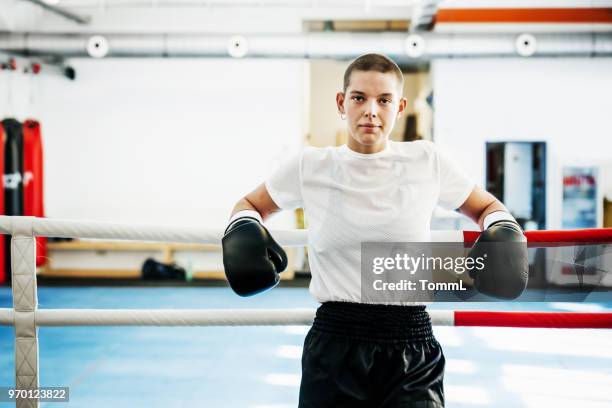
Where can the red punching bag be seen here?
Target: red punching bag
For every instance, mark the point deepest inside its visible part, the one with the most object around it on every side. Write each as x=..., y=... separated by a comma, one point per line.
x=33, y=203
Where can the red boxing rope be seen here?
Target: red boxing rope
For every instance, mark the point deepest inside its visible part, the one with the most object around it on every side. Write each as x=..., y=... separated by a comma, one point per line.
x=553, y=238
x=559, y=320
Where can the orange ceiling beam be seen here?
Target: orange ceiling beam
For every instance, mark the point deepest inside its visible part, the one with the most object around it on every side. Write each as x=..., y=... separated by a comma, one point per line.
x=525, y=15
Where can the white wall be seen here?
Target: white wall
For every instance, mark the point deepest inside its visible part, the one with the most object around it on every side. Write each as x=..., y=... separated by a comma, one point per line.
x=161, y=141
x=565, y=102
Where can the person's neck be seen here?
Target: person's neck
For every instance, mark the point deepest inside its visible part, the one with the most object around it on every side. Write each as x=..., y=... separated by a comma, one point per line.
x=366, y=149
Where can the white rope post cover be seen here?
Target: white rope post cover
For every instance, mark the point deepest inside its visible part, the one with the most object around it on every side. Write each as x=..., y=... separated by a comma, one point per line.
x=25, y=303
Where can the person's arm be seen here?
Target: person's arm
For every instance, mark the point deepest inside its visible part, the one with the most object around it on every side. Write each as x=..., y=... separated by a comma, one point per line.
x=503, y=245
x=252, y=259
x=479, y=204
x=257, y=200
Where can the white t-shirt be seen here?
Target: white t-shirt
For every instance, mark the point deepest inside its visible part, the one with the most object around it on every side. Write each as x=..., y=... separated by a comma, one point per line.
x=350, y=198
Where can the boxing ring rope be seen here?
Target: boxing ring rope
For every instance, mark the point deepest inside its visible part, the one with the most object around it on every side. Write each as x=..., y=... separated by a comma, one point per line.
x=274, y=317
x=26, y=317
x=45, y=227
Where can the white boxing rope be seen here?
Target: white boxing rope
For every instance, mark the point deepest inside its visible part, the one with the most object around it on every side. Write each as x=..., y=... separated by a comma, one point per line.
x=281, y=317
x=184, y=317
x=442, y=317
x=49, y=227
x=164, y=317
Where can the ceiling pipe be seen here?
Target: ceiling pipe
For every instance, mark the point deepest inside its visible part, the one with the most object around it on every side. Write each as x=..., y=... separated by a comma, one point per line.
x=404, y=47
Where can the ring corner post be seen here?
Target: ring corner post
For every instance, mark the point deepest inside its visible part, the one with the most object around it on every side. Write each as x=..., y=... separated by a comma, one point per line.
x=25, y=303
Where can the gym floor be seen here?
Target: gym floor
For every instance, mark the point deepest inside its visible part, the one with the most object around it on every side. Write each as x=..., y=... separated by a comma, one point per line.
x=259, y=367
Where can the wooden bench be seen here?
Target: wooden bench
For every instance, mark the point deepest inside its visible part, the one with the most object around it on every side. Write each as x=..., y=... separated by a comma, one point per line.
x=102, y=259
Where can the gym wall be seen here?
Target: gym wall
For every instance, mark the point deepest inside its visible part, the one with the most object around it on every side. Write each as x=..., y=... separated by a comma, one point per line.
x=174, y=141
x=563, y=101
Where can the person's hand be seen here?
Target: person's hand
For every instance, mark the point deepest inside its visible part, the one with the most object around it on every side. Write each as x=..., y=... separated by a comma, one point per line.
x=504, y=248
x=251, y=257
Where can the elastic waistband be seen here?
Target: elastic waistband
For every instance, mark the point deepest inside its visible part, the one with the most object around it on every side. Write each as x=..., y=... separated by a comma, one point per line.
x=373, y=322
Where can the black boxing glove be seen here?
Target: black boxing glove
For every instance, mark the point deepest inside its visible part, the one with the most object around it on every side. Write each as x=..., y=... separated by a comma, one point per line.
x=503, y=247
x=251, y=257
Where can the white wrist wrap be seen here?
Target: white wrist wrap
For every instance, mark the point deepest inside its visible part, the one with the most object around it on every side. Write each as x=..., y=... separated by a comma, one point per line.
x=497, y=216
x=243, y=214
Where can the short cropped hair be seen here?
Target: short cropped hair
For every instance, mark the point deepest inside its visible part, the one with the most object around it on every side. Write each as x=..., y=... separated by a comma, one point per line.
x=373, y=62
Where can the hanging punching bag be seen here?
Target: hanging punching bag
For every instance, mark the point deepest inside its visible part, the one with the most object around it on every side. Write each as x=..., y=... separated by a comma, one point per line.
x=33, y=203
x=13, y=169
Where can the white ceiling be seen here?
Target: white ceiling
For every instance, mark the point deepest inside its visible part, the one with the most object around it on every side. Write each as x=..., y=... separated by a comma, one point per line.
x=219, y=16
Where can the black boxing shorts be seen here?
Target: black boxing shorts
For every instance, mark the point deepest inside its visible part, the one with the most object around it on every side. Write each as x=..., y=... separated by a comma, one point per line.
x=363, y=355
